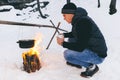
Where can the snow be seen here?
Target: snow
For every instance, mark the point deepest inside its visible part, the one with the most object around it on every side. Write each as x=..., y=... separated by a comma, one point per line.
x=53, y=63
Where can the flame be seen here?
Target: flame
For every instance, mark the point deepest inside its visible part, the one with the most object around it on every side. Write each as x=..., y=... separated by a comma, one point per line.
x=36, y=48
x=38, y=40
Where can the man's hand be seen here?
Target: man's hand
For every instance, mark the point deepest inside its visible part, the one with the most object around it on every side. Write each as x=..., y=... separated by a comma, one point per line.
x=60, y=39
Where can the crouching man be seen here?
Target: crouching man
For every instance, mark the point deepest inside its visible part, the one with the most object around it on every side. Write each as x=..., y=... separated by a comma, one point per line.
x=86, y=45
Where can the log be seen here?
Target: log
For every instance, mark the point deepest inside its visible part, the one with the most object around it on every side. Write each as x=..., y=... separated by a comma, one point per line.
x=31, y=63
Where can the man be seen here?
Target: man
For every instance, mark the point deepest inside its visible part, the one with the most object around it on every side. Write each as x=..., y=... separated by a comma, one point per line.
x=86, y=45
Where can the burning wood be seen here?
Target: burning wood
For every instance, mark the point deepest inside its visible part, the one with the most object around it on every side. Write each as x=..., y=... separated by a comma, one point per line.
x=31, y=59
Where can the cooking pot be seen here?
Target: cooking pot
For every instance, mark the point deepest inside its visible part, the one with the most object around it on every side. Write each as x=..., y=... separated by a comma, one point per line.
x=26, y=43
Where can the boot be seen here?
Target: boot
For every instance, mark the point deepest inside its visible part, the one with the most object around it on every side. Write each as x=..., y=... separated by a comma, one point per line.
x=90, y=71
x=78, y=66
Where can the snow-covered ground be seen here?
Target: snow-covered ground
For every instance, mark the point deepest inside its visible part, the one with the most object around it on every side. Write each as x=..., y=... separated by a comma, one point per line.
x=53, y=64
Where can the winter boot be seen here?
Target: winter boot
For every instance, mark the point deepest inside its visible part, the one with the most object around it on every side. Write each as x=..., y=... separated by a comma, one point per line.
x=75, y=65
x=90, y=71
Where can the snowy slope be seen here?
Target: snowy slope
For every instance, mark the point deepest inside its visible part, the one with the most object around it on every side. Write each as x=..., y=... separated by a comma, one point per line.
x=53, y=63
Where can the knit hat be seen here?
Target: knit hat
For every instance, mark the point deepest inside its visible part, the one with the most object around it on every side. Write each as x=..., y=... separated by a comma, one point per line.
x=69, y=8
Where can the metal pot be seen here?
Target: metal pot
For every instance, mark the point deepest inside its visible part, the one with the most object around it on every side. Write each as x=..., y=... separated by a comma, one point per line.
x=26, y=43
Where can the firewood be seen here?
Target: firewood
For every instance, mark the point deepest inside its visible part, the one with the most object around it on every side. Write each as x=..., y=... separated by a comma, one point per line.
x=31, y=63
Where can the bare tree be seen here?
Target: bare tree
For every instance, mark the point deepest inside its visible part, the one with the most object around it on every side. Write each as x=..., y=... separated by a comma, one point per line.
x=98, y=3
x=112, y=7
x=43, y=16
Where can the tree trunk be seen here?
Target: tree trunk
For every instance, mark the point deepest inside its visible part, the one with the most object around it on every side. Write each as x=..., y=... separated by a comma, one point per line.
x=112, y=7
x=68, y=1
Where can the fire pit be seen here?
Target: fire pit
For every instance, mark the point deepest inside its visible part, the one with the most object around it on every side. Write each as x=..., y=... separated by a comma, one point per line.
x=31, y=59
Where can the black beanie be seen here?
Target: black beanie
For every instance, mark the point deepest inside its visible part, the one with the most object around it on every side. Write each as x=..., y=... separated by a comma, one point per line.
x=69, y=8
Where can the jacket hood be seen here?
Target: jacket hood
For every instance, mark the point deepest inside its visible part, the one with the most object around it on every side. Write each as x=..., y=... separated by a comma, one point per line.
x=81, y=12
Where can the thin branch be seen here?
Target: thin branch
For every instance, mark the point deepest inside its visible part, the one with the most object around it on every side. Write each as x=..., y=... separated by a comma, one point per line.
x=29, y=25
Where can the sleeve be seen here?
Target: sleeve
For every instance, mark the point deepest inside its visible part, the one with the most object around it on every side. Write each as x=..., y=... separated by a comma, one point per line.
x=70, y=35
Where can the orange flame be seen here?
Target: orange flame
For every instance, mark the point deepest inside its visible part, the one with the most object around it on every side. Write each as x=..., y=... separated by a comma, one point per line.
x=36, y=48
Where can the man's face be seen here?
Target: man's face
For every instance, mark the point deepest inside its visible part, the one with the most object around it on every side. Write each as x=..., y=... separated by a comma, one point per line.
x=68, y=17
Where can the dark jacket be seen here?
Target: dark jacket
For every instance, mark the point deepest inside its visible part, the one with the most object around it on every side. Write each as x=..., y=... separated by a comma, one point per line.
x=86, y=34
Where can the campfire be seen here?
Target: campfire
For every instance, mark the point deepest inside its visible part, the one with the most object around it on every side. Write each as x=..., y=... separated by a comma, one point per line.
x=31, y=59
